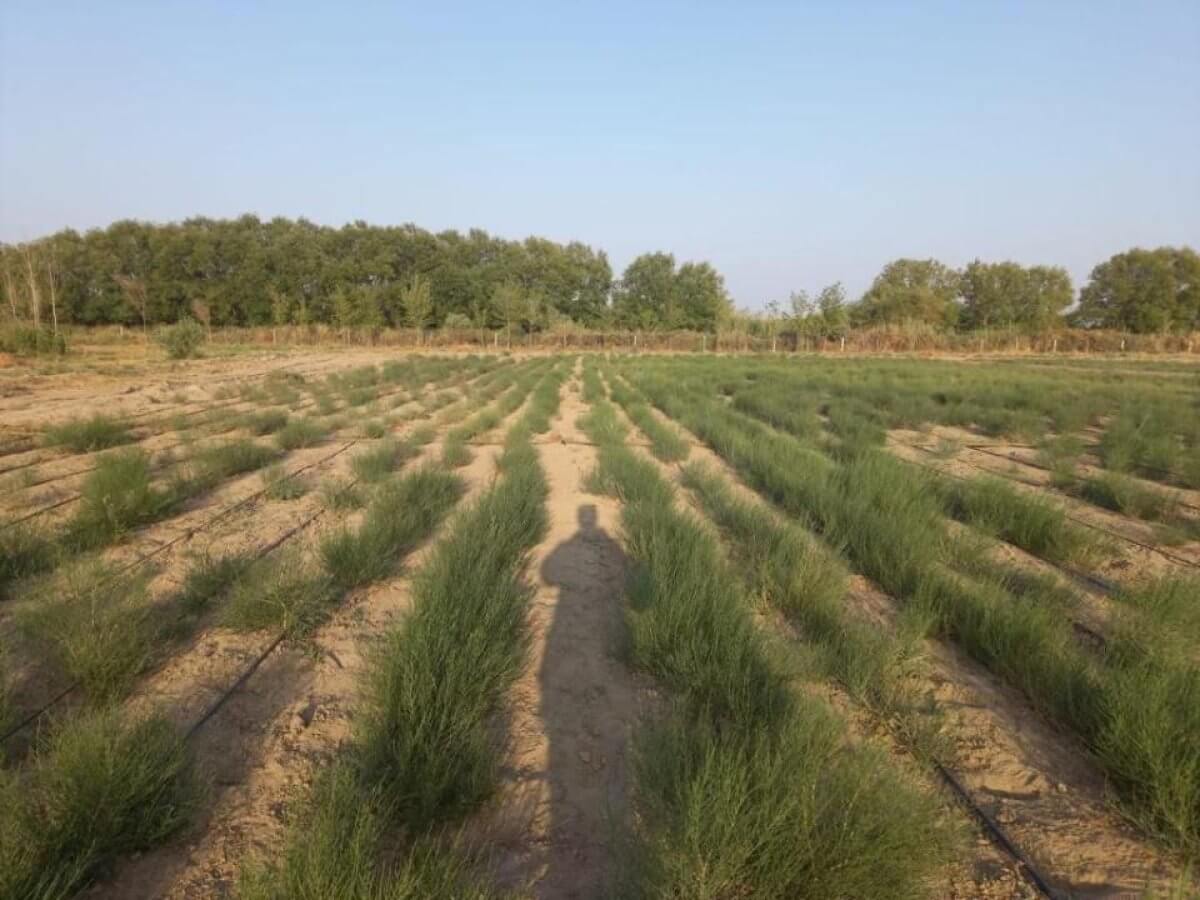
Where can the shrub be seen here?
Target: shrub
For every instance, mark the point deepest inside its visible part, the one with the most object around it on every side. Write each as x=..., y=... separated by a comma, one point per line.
x=401, y=514
x=267, y=422
x=98, y=627
x=116, y=497
x=279, y=592
x=444, y=670
x=99, y=788
x=299, y=433
x=334, y=850
x=86, y=435
x=183, y=339
x=279, y=485
x=341, y=495
x=24, y=551
x=24, y=340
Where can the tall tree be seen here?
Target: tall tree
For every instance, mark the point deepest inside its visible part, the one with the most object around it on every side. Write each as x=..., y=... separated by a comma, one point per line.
x=645, y=297
x=701, y=302
x=417, y=298
x=912, y=290
x=509, y=304
x=1143, y=291
x=1006, y=294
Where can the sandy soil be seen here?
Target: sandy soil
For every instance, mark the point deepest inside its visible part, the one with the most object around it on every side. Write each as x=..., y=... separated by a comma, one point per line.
x=564, y=800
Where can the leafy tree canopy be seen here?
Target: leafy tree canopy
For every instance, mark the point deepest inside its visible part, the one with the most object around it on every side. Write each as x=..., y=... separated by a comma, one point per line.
x=1143, y=291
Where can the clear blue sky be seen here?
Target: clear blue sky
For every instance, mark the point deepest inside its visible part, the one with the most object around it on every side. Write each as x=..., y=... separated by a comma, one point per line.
x=791, y=144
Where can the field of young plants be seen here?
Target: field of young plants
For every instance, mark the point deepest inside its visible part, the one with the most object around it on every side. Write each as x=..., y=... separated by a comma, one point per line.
x=416, y=626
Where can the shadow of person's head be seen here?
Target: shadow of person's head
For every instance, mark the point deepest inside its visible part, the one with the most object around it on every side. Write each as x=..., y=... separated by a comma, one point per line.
x=587, y=517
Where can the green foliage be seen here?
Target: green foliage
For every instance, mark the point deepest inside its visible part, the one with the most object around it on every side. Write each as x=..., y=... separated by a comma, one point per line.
x=417, y=299
x=665, y=441
x=1143, y=291
x=25, y=550
x=341, y=495
x=207, y=578
x=213, y=464
x=254, y=272
x=1029, y=521
x=183, y=339
x=267, y=422
x=1007, y=294
x=282, y=592
x=279, y=485
x=780, y=815
x=87, y=435
x=1127, y=701
x=116, y=497
x=746, y=788
x=25, y=340
x=300, y=433
x=652, y=294
x=401, y=514
x=912, y=290
x=97, y=789
x=99, y=627
x=426, y=737
x=335, y=847
x=380, y=461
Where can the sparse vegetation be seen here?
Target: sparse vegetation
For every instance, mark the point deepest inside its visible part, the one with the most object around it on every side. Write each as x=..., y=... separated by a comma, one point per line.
x=811, y=561
x=98, y=432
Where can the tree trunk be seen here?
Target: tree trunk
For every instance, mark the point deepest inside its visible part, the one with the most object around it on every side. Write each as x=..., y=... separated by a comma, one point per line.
x=35, y=297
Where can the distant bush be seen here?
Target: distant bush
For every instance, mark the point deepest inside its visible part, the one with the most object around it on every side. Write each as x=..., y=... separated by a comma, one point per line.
x=24, y=340
x=183, y=339
x=457, y=321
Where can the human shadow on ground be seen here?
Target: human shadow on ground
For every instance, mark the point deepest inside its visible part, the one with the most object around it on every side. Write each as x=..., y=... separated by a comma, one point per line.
x=588, y=708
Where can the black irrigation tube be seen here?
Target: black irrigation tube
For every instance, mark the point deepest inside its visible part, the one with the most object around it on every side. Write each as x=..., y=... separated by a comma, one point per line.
x=987, y=450
x=1166, y=554
x=997, y=833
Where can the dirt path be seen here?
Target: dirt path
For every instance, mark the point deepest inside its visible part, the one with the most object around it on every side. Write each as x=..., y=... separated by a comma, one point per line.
x=565, y=795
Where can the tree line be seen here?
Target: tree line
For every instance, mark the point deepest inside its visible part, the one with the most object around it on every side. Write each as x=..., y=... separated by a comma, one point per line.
x=247, y=271
x=282, y=272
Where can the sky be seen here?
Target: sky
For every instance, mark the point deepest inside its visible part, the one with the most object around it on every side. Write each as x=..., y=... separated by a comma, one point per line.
x=790, y=144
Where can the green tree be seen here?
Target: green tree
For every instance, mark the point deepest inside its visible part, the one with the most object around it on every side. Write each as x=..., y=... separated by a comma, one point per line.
x=835, y=318
x=645, y=297
x=1143, y=291
x=417, y=298
x=509, y=305
x=1007, y=294
x=281, y=307
x=912, y=290
x=700, y=300
x=368, y=311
